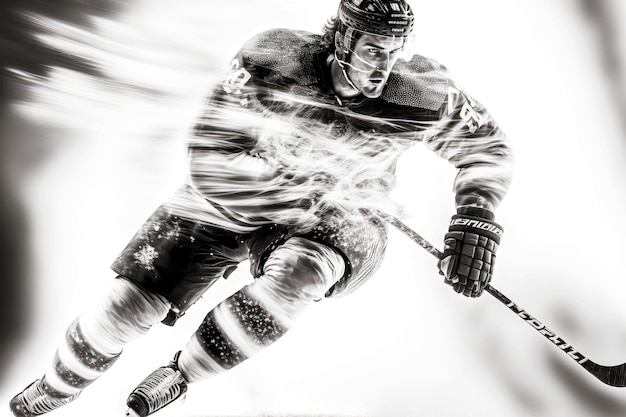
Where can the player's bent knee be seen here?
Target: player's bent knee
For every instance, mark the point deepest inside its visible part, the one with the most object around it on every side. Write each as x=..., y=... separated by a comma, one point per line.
x=303, y=270
x=126, y=312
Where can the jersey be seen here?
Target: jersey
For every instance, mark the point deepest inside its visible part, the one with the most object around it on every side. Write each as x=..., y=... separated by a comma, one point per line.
x=275, y=145
x=276, y=154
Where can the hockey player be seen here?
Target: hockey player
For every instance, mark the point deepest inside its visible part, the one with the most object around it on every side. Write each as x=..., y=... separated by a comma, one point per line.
x=290, y=166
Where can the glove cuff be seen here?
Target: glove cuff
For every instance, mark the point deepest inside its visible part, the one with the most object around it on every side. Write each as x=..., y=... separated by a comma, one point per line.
x=476, y=211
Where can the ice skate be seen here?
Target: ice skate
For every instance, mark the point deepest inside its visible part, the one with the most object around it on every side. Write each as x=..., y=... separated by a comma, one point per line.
x=159, y=389
x=36, y=400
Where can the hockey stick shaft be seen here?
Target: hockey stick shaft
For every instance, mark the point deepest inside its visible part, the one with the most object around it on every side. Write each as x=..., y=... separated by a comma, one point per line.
x=611, y=375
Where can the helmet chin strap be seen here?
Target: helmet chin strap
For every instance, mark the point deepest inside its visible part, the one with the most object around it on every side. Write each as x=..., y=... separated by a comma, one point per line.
x=343, y=64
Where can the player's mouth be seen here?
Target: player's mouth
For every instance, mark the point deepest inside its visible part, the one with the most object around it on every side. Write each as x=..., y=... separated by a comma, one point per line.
x=377, y=82
x=377, y=78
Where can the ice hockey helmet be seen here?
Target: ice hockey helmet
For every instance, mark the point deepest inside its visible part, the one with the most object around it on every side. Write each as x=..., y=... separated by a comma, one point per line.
x=378, y=17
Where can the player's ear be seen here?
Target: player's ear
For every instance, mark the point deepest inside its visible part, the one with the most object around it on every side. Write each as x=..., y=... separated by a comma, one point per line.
x=339, y=42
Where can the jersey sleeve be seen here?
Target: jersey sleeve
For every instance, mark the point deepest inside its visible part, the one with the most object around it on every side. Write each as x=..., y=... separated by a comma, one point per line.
x=226, y=123
x=468, y=137
x=223, y=164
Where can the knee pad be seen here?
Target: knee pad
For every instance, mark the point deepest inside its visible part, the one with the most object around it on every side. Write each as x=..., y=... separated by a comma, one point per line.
x=126, y=312
x=302, y=270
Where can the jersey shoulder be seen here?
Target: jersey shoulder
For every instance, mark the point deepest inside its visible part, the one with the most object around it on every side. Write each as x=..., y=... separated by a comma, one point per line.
x=420, y=82
x=290, y=53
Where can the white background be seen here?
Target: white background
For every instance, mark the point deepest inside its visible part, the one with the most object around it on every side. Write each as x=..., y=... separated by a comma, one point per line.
x=404, y=345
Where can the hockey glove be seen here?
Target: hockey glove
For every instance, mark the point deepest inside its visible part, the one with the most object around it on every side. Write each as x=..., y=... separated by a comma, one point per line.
x=470, y=250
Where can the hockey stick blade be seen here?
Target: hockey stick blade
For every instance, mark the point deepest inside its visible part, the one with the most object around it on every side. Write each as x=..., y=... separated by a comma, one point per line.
x=614, y=376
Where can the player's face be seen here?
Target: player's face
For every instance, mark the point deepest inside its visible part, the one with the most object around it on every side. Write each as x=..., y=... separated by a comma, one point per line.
x=371, y=61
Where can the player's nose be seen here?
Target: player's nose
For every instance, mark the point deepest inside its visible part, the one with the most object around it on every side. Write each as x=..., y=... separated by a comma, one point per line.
x=384, y=64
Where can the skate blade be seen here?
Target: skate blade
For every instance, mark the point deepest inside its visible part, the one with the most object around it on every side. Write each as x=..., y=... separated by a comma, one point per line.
x=131, y=413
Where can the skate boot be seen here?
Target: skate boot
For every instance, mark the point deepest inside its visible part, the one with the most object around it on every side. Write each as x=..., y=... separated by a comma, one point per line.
x=159, y=389
x=38, y=399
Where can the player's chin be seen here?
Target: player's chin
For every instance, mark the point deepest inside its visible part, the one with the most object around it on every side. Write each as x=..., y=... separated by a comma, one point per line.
x=373, y=89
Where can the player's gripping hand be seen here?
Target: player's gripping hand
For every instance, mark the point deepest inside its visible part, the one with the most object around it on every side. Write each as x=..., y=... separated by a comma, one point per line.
x=470, y=250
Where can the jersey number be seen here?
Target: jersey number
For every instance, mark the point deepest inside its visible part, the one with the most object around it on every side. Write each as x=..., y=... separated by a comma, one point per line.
x=236, y=79
x=471, y=117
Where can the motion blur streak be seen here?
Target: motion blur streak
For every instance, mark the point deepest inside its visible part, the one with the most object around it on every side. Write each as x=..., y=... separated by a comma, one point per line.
x=21, y=152
x=606, y=18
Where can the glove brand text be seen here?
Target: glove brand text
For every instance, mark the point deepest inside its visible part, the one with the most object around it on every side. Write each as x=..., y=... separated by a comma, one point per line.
x=477, y=224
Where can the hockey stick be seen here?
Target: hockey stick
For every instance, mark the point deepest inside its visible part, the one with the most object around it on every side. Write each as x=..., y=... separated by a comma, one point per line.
x=614, y=376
